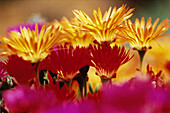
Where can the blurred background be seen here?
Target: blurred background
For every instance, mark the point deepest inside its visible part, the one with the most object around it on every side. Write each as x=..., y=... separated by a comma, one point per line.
x=14, y=12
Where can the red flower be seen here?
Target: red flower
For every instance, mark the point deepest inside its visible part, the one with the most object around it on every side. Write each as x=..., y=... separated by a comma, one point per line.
x=63, y=94
x=107, y=60
x=2, y=70
x=21, y=70
x=66, y=62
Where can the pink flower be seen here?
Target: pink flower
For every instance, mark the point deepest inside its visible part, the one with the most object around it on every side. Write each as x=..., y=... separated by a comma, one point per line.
x=128, y=97
x=135, y=96
x=24, y=99
x=31, y=26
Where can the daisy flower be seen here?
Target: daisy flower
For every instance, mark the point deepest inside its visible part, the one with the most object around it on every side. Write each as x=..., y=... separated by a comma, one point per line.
x=32, y=45
x=104, y=28
x=140, y=35
x=74, y=35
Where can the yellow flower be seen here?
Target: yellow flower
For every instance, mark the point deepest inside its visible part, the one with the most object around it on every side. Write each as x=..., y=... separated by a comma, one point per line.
x=32, y=45
x=140, y=36
x=74, y=35
x=104, y=28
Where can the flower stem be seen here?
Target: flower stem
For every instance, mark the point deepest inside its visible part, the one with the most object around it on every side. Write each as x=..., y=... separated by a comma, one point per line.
x=69, y=83
x=84, y=78
x=85, y=86
x=37, y=74
x=141, y=54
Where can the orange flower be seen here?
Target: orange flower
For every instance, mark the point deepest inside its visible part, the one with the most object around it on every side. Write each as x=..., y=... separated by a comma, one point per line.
x=75, y=37
x=140, y=36
x=32, y=45
x=104, y=28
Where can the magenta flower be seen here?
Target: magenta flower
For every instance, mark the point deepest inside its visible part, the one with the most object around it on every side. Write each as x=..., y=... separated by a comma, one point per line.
x=27, y=100
x=135, y=96
x=129, y=97
x=31, y=26
x=85, y=107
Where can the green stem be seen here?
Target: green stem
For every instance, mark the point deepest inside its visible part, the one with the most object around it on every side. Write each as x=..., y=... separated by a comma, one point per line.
x=37, y=74
x=141, y=54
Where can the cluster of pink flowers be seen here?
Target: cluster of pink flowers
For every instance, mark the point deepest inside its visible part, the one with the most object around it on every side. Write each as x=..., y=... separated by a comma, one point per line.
x=135, y=96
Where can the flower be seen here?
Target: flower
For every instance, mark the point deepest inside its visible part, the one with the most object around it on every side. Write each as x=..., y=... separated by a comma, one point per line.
x=31, y=45
x=2, y=70
x=107, y=60
x=135, y=96
x=140, y=35
x=75, y=37
x=66, y=62
x=68, y=66
x=29, y=100
x=63, y=94
x=104, y=29
x=21, y=70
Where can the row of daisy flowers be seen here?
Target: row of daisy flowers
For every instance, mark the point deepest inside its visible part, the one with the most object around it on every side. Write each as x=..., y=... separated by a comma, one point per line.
x=48, y=64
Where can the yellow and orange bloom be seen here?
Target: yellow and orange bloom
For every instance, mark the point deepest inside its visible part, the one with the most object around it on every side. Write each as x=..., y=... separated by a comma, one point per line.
x=75, y=37
x=32, y=45
x=140, y=35
x=104, y=28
